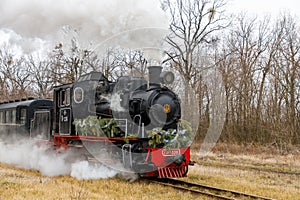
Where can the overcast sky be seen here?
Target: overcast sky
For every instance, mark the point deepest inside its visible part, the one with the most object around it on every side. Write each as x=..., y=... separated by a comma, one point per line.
x=262, y=7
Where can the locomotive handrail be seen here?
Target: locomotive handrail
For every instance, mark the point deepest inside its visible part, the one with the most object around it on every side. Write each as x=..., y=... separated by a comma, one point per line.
x=125, y=126
x=140, y=120
x=143, y=130
x=127, y=147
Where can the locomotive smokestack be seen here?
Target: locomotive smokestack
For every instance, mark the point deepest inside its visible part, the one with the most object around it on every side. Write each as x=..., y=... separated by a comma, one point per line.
x=154, y=74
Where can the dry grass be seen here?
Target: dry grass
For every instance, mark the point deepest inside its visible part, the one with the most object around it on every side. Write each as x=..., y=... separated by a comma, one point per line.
x=252, y=169
x=17, y=183
x=224, y=167
x=252, y=149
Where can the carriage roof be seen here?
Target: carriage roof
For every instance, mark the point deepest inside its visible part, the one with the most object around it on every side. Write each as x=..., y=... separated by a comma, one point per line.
x=25, y=103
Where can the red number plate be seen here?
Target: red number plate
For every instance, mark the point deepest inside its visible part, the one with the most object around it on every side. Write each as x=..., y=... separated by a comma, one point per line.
x=171, y=152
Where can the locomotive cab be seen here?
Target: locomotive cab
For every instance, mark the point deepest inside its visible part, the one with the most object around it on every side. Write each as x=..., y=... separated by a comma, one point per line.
x=62, y=122
x=79, y=100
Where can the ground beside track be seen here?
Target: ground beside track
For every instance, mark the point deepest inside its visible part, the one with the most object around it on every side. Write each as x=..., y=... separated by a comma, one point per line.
x=260, y=170
x=246, y=172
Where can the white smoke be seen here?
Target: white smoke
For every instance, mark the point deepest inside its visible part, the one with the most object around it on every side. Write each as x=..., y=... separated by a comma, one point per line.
x=35, y=18
x=19, y=45
x=83, y=170
x=93, y=21
x=114, y=100
x=25, y=153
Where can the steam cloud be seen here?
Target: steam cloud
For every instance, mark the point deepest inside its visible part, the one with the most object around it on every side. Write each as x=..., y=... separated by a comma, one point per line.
x=36, y=18
x=25, y=153
x=35, y=22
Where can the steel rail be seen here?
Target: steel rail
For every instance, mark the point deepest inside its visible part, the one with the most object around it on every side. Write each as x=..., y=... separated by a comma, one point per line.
x=209, y=191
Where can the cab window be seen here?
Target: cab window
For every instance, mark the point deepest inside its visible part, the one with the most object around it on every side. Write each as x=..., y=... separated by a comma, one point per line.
x=67, y=97
x=62, y=96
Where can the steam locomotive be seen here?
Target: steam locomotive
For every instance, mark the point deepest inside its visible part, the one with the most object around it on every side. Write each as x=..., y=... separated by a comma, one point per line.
x=132, y=120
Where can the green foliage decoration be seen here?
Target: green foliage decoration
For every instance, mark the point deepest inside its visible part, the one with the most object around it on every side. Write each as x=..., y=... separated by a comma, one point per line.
x=171, y=138
x=96, y=126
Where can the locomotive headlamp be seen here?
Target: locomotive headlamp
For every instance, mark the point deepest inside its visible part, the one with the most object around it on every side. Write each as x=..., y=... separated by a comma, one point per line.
x=167, y=77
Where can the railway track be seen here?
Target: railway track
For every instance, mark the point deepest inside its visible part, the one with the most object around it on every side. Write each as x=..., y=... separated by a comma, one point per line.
x=252, y=168
x=209, y=191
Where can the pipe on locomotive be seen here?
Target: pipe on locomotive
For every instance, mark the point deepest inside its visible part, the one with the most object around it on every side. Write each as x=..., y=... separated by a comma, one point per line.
x=156, y=76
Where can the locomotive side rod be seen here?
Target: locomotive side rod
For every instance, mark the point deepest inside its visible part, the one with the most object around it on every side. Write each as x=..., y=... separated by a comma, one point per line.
x=205, y=190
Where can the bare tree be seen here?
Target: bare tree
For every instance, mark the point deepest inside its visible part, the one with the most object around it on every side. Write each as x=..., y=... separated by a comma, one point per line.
x=15, y=77
x=68, y=63
x=260, y=70
x=40, y=76
x=248, y=44
x=193, y=31
x=118, y=62
x=193, y=23
x=287, y=75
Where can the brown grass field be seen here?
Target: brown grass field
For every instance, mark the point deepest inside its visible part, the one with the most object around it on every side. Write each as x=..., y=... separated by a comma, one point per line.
x=256, y=170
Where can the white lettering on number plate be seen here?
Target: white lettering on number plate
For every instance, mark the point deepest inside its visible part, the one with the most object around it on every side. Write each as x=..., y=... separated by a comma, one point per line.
x=171, y=152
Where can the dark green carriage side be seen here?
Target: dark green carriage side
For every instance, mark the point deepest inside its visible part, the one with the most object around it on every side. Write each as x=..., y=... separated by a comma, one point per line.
x=30, y=117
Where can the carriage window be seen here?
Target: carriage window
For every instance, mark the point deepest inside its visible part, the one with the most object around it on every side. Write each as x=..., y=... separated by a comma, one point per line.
x=68, y=96
x=1, y=117
x=8, y=116
x=4, y=117
x=13, y=116
x=23, y=116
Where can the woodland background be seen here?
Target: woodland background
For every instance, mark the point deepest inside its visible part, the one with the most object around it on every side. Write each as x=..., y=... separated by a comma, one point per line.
x=257, y=59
